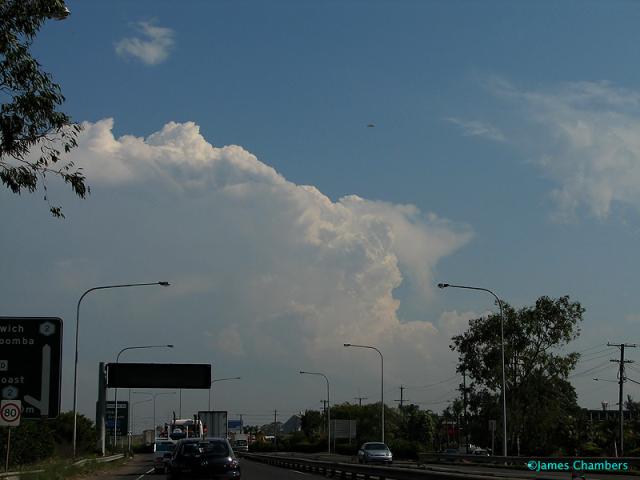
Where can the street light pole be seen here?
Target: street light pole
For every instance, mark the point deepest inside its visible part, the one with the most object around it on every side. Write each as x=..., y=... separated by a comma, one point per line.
x=504, y=385
x=154, y=395
x=115, y=416
x=133, y=413
x=75, y=369
x=381, y=381
x=328, y=407
x=219, y=380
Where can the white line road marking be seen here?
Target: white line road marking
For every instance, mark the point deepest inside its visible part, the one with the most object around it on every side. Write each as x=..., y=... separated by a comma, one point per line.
x=145, y=473
x=295, y=471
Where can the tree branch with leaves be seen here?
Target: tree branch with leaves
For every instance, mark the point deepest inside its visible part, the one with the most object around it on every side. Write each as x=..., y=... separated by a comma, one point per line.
x=34, y=135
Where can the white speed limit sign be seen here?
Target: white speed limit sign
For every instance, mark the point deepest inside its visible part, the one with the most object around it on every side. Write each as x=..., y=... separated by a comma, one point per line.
x=10, y=411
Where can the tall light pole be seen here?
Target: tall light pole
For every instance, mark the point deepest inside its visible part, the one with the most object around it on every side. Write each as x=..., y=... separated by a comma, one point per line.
x=132, y=412
x=381, y=381
x=219, y=380
x=115, y=416
x=328, y=407
x=504, y=387
x=75, y=368
x=154, y=395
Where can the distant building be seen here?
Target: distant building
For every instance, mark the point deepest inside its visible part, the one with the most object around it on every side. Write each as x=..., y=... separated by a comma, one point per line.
x=294, y=424
x=605, y=415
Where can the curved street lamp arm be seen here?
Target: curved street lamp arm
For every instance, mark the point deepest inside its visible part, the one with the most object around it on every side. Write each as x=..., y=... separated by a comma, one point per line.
x=115, y=427
x=75, y=368
x=222, y=379
x=141, y=346
x=381, y=378
x=328, y=406
x=504, y=381
x=219, y=380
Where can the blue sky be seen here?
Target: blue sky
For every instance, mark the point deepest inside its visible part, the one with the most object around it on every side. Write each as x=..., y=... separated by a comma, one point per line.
x=505, y=154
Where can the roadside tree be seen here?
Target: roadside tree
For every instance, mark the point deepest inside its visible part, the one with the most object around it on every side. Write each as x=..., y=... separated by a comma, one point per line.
x=541, y=403
x=34, y=134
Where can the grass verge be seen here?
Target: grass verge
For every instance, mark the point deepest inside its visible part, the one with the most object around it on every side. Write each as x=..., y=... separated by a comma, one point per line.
x=64, y=469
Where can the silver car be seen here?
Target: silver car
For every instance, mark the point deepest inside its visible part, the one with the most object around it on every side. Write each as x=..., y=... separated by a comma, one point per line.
x=371, y=452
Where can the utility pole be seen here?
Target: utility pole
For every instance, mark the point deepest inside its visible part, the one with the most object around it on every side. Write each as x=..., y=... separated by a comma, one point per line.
x=464, y=406
x=360, y=400
x=621, y=380
x=324, y=412
x=402, y=387
x=275, y=428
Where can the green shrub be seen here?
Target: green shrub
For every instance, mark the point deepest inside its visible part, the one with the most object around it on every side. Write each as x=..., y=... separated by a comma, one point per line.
x=31, y=442
x=37, y=440
x=633, y=453
x=258, y=447
x=86, y=435
x=346, y=449
x=590, y=449
x=405, y=449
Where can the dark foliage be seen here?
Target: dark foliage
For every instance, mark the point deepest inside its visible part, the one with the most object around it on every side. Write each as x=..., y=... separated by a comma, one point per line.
x=30, y=121
x=543, y=415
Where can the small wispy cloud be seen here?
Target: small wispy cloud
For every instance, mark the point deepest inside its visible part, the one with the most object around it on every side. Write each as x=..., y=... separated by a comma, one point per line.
x=474, y=128
x=589, y=138
x=632, y=318
x=154, y=46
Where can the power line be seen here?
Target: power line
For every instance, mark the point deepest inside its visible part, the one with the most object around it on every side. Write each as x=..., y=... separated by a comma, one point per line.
x=592, y=347
x=591, y=355
x=437, y=400
x=447, y=380
x=587, y=360
x=591, y=370
x=432, y=403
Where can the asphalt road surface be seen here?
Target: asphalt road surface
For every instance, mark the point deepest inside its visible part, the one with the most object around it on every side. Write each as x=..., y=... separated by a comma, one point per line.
x=490, y=472
x=141, y=468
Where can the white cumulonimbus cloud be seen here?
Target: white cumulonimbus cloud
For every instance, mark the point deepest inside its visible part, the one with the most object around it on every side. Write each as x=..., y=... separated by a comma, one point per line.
x=154, y=46
x=587, y=140
x=294, y=273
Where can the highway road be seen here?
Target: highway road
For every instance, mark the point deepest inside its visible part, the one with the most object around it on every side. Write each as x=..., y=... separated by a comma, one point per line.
x=141, y=468
x=480, y=470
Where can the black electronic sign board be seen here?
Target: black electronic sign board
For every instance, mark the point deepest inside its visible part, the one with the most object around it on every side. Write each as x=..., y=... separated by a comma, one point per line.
x=30, y=359
x=158, y=375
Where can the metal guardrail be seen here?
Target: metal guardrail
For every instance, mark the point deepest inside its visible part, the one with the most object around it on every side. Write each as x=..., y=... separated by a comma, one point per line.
x=10, y=475
x=355, y=471
x=110, y=458
x=19, y=474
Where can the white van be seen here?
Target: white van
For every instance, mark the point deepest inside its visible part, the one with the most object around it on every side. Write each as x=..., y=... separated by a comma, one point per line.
x=240, y=443
x=163, y=448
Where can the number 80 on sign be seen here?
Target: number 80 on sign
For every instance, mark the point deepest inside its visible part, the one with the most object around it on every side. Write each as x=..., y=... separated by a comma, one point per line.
x=10, y=411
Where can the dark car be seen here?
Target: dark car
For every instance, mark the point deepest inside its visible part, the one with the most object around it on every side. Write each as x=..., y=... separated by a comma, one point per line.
x=209, y=458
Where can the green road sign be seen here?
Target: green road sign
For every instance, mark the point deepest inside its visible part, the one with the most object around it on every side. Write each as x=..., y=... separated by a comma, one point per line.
x=30, y=358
